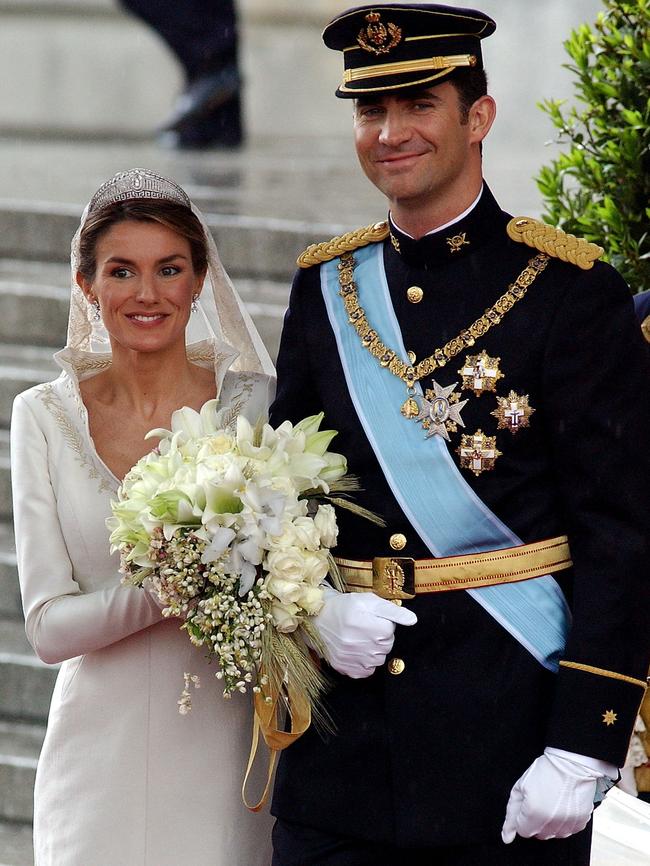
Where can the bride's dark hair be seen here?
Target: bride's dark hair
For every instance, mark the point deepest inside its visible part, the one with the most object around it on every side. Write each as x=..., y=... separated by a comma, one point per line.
x=171, y=214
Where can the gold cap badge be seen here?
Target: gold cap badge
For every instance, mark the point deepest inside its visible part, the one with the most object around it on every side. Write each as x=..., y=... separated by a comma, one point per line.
x=379, y=38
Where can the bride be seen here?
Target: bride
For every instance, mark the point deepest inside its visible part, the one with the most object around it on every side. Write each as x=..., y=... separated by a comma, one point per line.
x=123, y=778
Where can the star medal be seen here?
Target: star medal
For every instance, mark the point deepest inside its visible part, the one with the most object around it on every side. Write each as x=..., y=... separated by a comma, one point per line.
x=440, y=411
x=480, y=373
x=478, y=452
x=513, y=412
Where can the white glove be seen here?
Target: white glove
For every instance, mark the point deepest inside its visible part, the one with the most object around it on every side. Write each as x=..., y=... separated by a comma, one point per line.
x=555, y=796
x=358, y=630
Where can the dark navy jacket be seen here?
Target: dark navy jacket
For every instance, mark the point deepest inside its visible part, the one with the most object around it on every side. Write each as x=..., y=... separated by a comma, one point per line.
x=642, y=305
x=428, y=757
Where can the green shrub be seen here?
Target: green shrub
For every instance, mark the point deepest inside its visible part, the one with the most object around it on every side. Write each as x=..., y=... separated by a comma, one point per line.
x=600, y=187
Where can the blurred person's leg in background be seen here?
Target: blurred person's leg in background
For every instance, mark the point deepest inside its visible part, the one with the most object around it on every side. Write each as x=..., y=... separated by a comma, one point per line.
x=203, y=36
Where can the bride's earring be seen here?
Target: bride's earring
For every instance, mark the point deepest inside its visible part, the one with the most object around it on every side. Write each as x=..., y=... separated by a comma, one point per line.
x=195, y=307
x=97, y=313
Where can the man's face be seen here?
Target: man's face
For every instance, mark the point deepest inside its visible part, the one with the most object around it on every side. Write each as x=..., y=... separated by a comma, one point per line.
x=414, y=147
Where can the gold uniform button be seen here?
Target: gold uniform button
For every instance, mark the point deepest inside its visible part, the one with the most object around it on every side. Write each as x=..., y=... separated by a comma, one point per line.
x=397, y=541
x=413, y=356
x=396, y=666
x=414, y=294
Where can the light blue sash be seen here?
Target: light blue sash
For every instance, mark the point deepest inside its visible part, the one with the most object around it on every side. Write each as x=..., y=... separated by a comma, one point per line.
x=447, y=514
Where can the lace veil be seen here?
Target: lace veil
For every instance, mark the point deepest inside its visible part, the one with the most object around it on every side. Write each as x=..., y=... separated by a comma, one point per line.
x=220, y=316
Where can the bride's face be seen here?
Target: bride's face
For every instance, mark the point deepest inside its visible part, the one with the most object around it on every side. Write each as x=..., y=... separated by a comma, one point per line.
x=144, y=282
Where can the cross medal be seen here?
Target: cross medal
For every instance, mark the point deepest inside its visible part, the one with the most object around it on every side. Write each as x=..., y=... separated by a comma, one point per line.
x=439, y=412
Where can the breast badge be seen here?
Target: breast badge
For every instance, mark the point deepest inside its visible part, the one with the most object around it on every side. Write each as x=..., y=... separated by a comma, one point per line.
x=440, y=411
x=480, y=373
x=513, y=412
x=478, y=452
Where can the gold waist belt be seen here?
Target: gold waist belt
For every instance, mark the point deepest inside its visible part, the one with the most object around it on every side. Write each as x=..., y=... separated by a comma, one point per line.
x=400, y=577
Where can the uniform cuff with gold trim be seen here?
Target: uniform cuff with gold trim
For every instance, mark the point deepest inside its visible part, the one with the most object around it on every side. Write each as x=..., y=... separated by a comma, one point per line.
x=594, y=711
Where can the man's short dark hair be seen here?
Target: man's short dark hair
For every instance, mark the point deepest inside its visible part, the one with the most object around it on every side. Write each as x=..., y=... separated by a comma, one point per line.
x=471, y=84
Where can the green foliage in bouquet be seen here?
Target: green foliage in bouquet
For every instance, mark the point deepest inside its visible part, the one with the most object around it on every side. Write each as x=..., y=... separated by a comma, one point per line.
x=600, y=188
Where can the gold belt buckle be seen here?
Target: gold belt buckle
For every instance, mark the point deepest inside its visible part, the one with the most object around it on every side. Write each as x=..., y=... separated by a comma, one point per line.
x=393, y=577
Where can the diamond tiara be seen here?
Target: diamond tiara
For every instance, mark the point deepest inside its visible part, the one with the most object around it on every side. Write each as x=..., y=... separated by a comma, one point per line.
x=137, y=183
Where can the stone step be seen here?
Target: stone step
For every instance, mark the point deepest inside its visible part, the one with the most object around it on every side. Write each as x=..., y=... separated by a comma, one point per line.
x=6, y=509
x=20, y=368
x=20, y=745
x=15, y=844
x=252, y=247
x=25, y=682
x=10, y=605
x=34, y=301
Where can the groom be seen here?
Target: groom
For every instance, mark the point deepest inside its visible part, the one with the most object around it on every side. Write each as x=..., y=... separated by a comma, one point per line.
x=489, y=384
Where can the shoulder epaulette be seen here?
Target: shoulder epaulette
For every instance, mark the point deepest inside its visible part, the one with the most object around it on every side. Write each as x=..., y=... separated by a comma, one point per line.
x=315, y=254
x=554, y=242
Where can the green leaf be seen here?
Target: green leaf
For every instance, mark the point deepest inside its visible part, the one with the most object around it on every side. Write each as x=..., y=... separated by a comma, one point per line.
x=598, y=186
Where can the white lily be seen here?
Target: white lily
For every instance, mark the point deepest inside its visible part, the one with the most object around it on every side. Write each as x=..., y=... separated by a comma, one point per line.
x=266, y=504
x=218, y=545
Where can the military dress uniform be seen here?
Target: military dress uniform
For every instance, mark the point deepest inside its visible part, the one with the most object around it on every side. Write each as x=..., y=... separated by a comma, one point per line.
x=426, y=750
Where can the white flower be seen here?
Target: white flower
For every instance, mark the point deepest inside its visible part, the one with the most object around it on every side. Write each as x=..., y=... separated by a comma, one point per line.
x=299, y=532
x=266, y=504
x=218, y=545
x=221, y=495
x=287, y=564
x=286, y=591
x=325, y=522
x=311, y=599
x=315, y=567
x=335, y=467
x=219, y=444
x=245, y=441
x=285, y=617
x=189, y=424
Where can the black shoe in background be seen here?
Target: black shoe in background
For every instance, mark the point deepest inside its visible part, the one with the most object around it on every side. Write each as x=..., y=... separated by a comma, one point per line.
x=218, y=127
x=203, y=96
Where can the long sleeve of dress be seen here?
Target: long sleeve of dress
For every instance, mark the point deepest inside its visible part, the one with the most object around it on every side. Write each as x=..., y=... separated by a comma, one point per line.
x=61, y=620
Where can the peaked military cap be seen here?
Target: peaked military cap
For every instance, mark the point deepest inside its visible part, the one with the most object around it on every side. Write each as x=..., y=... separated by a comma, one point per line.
x=405, y=44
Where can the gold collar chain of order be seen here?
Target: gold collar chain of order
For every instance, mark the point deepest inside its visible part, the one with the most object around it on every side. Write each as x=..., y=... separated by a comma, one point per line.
x=411, y=374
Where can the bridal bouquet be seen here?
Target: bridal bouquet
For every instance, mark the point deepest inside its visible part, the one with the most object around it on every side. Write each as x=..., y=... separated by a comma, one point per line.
x=230, y=527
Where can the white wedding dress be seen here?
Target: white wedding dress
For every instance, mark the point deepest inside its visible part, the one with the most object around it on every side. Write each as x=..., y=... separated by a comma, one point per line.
x=123, y=778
